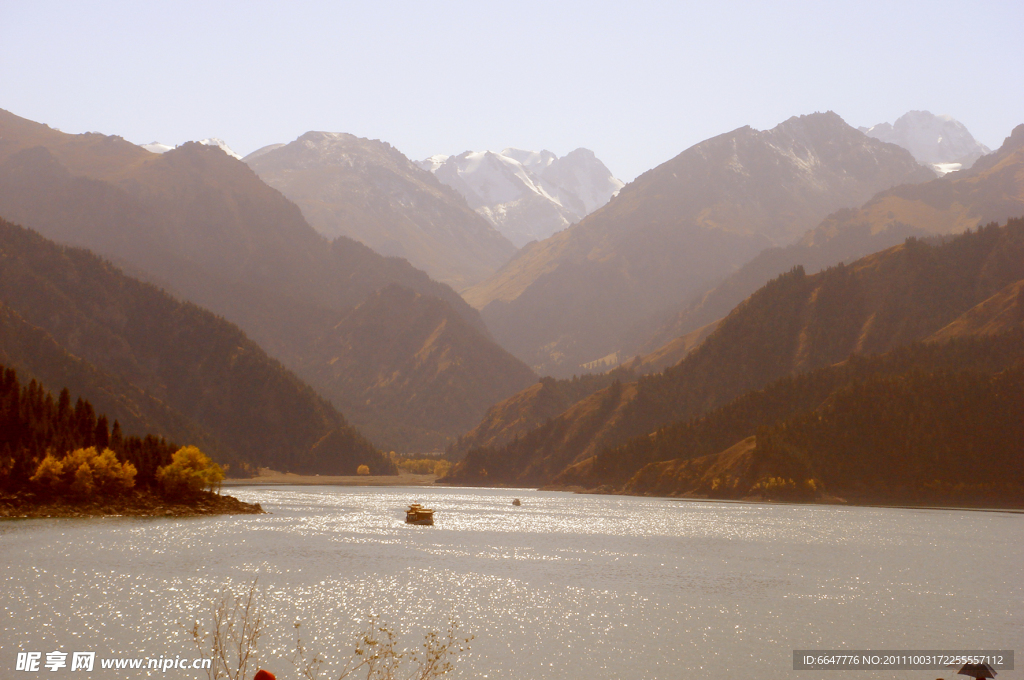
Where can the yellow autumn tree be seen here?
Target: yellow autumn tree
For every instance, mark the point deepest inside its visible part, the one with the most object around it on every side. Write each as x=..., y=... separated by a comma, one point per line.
x=363, y=470
x=84, y=472
x=189, y=472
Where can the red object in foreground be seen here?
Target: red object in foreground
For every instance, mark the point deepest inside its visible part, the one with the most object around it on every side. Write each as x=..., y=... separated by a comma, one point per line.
x=263, y=675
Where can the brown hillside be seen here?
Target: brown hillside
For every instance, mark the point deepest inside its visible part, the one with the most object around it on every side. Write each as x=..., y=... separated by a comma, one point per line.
x=1002, y=312
x=530, y=408
x=167, y=366
x=696, y=476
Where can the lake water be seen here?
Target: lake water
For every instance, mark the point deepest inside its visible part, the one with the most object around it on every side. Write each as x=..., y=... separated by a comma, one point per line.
x=566, y=586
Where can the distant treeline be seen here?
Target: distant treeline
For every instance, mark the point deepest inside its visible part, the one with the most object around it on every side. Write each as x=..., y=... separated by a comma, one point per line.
x=926, y=421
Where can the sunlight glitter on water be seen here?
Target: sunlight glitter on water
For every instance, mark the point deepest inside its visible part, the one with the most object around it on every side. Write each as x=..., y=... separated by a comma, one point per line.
x=566, y=586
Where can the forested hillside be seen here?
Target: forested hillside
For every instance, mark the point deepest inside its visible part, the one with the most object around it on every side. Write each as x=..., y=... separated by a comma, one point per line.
x=531, y=408
x=631, y=465
x=795, y=324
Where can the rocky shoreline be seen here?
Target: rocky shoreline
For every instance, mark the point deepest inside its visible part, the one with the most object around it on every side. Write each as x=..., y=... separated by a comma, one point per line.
x=25, y=504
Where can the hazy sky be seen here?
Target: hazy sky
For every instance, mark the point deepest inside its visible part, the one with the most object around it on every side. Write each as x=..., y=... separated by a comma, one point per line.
x=636, y=82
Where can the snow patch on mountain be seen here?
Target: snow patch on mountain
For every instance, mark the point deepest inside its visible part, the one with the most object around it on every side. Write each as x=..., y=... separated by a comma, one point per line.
x=213, y=141
x=156, y=147
x=940, y=142
x=527, y=195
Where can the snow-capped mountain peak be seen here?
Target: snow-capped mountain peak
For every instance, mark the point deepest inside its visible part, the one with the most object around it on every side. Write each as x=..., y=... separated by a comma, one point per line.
x=527, y=195
x=938, y=141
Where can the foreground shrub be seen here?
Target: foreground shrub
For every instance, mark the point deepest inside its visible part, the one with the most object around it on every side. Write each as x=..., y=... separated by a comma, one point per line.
x=189, y=472
x=230, y=637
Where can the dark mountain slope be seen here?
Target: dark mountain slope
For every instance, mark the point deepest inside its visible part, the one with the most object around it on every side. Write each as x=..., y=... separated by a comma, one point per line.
x=938, y=423
x=530, y=408
x=795, y=323
x=202, y=368
x=405, y=358
x=991, y=191
x=567, y=300
x=744, y=416
x=1000, y=313
x=35, y=355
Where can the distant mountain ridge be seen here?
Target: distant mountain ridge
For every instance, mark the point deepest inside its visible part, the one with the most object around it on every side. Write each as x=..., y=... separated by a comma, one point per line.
x=568, y=300
x=369, y=191
x=527, y=195
x=157, y=147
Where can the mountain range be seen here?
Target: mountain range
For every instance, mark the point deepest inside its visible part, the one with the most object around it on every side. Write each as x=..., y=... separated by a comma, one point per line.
x=202, y=225
x=368, y=191
x=569, y=299
x=527, y=195
x=992, y=190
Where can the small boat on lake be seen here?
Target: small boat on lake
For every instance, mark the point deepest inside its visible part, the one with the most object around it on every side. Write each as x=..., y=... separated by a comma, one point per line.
x=417, y=514
x=516, y=502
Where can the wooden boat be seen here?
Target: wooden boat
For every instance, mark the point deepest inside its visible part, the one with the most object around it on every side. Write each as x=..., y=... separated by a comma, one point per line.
x=417, y=514
x=516, y=502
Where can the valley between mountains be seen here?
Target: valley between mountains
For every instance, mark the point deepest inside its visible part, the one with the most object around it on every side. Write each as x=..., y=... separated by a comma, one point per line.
x=813, y=312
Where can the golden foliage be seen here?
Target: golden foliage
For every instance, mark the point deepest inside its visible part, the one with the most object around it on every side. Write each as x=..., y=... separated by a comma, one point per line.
x=189, y=472
x=363, y=470
x=85, y=471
